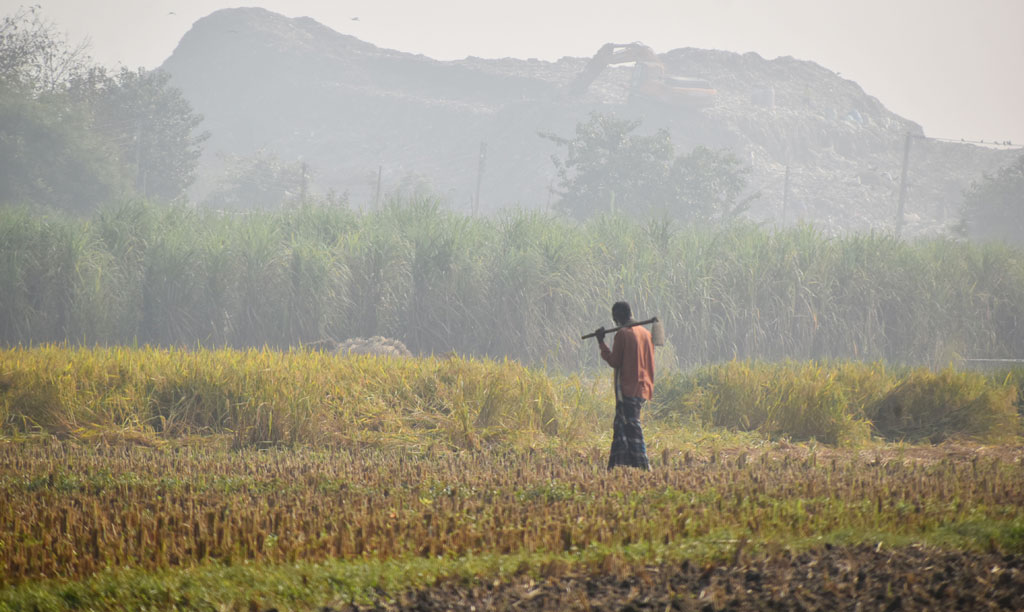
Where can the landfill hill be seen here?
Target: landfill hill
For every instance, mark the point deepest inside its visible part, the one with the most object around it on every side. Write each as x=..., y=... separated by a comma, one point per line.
x=356, y=113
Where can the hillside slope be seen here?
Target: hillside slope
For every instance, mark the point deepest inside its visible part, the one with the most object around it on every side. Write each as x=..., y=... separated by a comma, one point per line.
x=350, y=110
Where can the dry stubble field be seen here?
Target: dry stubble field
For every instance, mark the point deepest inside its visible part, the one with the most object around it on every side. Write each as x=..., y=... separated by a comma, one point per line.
x=197, y=525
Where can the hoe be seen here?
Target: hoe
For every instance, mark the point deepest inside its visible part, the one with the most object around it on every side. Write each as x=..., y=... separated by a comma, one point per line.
x=657, y=330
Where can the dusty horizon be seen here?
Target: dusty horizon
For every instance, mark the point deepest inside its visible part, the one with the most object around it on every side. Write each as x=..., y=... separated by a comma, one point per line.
x=951, y=66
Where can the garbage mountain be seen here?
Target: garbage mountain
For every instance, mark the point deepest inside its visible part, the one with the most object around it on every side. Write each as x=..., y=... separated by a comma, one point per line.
x=367, y=120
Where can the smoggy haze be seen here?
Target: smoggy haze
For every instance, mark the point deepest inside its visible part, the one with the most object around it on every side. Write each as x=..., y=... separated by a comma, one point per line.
x=953, y=66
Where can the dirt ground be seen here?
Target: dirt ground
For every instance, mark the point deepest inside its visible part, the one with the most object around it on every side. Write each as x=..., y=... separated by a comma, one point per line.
x=832, y=578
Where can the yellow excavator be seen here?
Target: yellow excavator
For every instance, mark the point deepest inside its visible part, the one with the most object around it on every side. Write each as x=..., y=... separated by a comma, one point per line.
x=649, y=79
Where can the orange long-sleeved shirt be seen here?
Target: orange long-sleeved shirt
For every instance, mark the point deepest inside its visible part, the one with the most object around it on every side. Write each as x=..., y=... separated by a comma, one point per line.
x=632, y=356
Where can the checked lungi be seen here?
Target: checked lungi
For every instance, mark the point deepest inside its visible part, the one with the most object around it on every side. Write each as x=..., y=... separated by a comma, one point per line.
x=628, y=446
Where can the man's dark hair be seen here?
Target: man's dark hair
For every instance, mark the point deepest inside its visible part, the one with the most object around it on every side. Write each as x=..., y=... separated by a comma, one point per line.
x=621, y=312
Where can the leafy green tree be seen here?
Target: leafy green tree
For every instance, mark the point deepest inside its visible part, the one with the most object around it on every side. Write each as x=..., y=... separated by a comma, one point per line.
x=155, y=131
x=73, y=136
x=49, y=156
x=34, y=57
x=994, y=206
x=260, y=181
x=707, y=185
x=607, y=165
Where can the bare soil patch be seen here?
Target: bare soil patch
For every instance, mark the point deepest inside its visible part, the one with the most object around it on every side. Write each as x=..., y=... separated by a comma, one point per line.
x=831, y=578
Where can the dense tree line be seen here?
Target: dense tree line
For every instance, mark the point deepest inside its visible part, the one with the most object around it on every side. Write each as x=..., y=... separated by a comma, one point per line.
x=74, y=135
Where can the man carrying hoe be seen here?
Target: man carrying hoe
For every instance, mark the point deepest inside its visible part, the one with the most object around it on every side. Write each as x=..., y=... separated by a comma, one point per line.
x=632, y=356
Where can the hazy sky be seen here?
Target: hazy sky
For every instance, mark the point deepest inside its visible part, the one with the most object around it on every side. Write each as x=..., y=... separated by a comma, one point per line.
x=954, y=66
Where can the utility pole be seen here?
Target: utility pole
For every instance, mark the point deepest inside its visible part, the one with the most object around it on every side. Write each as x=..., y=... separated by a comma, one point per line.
x=140, y=174
x=785, y=195
x=480, y=176
x=376, y=195
x=903, y=184
x=304, y=186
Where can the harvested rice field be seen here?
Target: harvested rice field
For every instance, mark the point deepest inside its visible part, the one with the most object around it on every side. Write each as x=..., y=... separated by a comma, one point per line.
x=164, y=479
x=779, y=525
